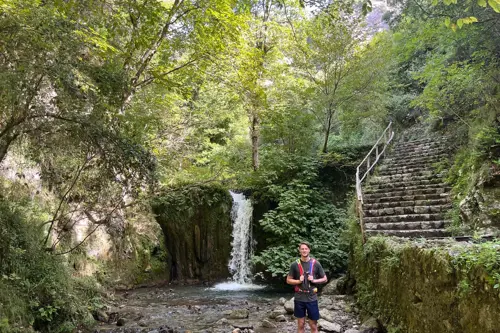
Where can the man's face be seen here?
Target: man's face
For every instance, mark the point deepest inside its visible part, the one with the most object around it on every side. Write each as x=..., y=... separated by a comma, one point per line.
x=304, y=250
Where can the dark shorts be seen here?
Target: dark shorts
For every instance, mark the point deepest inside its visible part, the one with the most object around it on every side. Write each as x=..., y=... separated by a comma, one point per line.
x=300, y=309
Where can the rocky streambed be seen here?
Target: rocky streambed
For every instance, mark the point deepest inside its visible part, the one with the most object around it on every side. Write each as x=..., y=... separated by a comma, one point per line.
x=201, y=309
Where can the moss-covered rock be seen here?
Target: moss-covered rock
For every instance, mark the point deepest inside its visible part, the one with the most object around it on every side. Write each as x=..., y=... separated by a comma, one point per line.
x=423, y=287
x=196, y=223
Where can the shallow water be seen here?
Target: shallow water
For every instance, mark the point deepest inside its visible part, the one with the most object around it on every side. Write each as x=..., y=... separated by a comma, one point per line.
x=194, y=308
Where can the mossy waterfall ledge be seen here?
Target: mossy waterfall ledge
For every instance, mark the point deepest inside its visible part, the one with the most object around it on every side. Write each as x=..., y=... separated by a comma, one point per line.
x=196, y=222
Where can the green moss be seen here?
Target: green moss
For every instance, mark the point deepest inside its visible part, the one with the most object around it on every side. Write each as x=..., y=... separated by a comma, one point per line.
x=418, y=287
x=196, y=223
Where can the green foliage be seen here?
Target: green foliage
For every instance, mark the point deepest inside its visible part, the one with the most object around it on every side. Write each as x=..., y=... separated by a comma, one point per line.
x=304, y=213
x=485, y=255
x=448, y=280
x=35, y=286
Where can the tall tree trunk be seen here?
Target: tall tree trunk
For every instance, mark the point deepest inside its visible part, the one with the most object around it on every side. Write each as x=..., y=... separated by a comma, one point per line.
x=325, y=144
x=255, y=134
x=327, y=131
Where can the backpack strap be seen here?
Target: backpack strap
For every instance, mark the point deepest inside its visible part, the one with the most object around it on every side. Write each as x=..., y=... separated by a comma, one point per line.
x=301, y=269
x=311, y=267
x=301, y=272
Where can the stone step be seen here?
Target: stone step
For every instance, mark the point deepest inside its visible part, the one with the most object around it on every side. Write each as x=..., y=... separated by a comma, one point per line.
x=389, y=168
x=408, y=225
x=406, y=210
x=422, y=159
x=413, y=163
x=419, y=152
x=422, y=141
x=382, y=205
x=425, y=233
x=422, y=172
x=426, y=146
x=404, y=218
x=406, y=186
x=404, y=196
x=404, y=178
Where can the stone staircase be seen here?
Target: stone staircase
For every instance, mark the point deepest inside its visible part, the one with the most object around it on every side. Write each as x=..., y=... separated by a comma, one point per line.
x=408, y=198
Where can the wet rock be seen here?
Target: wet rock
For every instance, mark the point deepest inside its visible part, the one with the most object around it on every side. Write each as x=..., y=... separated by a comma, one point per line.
x=325, y=302
x=102, y=316
x=327, y=315
x=120, y=322
x=239, y=314
x=280, y=318
x=328, y=326
x=332, y=287
x=222, y=321
x=276, y=312
x=282, y=301
x=266, y=323
x=370, y=326
x=289, y=305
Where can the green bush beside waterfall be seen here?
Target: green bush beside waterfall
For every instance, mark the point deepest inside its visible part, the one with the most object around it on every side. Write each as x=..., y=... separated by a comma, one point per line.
x=303, y=212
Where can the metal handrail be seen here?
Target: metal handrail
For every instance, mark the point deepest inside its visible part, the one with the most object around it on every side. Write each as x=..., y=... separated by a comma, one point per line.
x=369, y=167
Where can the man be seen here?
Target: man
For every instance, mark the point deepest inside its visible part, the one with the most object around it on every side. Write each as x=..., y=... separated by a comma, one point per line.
x=305, y=274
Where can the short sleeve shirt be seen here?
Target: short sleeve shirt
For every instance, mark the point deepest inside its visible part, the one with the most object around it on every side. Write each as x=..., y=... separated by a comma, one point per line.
x=318, y=273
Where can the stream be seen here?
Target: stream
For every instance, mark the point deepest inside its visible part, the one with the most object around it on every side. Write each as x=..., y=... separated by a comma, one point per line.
x=202, y=309
x=236, y=306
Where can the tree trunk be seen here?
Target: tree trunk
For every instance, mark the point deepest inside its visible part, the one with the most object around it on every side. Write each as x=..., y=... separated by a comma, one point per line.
x=327, y=131
x=325, y=144
x=254, y=132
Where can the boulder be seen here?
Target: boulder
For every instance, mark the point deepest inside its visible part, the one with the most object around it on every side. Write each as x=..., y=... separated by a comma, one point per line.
x=120, y=322
x=102, y=316
x=266, y=323
x=276, y=312
x=289, y=306
x=331, y=287
x=329, y=327
x=239, y=314
x=281, y=319
x=370, y=326
x=327, y=315
x=282, y=301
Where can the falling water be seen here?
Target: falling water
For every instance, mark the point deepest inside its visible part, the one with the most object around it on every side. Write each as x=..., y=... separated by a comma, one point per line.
x=239, y=265
x=241, y=215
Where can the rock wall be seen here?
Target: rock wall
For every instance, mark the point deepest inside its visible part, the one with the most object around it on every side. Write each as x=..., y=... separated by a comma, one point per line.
x=424, y=286
x=196, y=223
x=127, y=251
x=480, y=209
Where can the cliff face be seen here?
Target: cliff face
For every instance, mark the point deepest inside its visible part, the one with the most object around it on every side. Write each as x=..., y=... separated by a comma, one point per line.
x=196, y=223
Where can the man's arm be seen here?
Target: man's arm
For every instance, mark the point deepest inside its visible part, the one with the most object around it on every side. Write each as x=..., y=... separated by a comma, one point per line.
x=320, y=272
x=292, y=281
x=320, y=280
x=294, y=271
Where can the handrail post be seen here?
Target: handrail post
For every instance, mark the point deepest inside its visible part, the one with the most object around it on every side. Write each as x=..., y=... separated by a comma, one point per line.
x=387, y=137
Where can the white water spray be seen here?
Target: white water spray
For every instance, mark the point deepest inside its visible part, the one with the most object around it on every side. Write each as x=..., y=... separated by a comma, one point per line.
x=239, y=265
x=241, y=214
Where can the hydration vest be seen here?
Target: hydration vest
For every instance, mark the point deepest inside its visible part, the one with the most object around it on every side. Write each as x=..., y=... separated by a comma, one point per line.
x=311, y=271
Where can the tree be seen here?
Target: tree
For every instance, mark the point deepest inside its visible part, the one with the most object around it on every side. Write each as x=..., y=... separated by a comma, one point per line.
x=70, y=75
x=331, y=52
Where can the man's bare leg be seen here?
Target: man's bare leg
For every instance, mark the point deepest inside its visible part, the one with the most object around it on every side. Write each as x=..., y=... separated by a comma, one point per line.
x=314, y=326
x=301, y=323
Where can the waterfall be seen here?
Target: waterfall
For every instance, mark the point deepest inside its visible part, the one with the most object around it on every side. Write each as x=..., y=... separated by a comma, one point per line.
x=241, y=252
x=241, y=214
